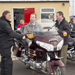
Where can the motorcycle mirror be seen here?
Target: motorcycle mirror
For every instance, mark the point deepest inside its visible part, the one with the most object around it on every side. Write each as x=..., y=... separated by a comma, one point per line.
x=48, y=27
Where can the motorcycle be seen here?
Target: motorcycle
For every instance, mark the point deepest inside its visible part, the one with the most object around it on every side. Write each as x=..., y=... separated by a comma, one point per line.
x=42, y=53
x=71, y=47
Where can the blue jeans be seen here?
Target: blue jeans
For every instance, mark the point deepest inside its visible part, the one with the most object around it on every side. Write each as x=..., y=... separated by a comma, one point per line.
x=28, y=56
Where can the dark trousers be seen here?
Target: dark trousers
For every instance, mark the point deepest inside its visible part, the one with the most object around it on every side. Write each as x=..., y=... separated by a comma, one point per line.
x=6, y=62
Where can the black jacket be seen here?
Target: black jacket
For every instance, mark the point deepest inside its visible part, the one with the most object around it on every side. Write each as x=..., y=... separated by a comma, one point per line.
x=63, y=26
x=6, y=33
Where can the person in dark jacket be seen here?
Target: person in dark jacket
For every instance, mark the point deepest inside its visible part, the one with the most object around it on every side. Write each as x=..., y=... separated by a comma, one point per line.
x=63, y=26
x=6, y=33
x=73, y=25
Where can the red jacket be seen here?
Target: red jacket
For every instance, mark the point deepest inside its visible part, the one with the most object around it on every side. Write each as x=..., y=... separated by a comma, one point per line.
x=20, y=25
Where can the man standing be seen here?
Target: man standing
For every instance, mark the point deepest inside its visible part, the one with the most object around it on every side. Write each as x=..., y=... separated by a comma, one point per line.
x=63, y=26
x=6, y=33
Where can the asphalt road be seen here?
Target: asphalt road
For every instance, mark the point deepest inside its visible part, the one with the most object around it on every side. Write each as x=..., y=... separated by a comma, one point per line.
x=19, y=68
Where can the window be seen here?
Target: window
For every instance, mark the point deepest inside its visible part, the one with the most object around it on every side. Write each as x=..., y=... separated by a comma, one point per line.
x=47, y=15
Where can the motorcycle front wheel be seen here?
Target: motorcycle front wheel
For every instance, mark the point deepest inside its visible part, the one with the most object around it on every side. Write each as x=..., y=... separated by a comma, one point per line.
x=59, y=71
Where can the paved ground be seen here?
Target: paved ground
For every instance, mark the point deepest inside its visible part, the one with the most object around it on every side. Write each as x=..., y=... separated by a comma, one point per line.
x=19, y=69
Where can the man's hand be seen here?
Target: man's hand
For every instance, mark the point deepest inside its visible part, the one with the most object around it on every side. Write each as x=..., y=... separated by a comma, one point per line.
x=29, y=44
x=23, y=37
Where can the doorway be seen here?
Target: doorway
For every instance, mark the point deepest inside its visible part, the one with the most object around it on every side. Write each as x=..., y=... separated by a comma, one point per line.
x=21, y=14
x=18, y=14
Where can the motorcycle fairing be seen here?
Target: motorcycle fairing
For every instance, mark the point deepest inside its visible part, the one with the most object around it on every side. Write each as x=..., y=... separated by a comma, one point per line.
x=55, y=62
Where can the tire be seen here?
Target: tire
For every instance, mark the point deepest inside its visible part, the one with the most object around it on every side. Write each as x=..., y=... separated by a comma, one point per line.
x=59, y=71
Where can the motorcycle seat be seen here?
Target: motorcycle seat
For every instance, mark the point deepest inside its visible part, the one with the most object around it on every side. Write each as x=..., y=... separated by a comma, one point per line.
x=70, y=43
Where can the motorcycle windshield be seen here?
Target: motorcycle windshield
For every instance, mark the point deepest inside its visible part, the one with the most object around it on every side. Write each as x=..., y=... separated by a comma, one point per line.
x=44, y=27
x=47, y=36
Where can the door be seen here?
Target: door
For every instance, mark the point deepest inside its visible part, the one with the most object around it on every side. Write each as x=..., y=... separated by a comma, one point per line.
x=27, y=13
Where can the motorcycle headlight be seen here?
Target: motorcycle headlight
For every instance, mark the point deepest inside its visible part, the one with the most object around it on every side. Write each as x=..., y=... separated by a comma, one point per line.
x=46, y=46
x=59, y=46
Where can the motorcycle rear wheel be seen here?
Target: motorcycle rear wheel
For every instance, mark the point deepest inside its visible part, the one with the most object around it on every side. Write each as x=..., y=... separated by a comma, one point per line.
x=59, y=71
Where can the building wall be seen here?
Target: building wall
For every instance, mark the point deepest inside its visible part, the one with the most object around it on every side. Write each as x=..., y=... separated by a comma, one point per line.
x=72, y=7
x=37, y=5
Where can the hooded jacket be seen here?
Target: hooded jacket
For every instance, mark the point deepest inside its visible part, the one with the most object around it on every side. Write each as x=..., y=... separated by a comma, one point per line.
x=29, y=28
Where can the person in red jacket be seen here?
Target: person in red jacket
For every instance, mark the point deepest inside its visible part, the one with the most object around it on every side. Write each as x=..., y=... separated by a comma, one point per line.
x=21, y=24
